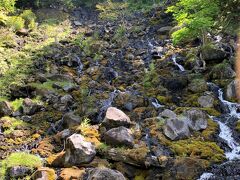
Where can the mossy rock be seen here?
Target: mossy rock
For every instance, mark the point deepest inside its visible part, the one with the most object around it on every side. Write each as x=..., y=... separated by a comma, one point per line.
x=237, y=127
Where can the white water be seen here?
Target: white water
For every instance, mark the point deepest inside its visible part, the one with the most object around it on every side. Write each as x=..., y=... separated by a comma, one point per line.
x=206, y=176
x=178, y=65
x=156, y=104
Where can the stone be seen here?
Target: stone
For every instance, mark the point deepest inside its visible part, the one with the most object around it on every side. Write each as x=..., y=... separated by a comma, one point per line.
x=119, y=136
x=19, y=171
x=66, y=99
x=231, y=91
x=222, y=71
x=176, y=129
x=104, y=174
x=197, y=86
x=72, y=173
x=197, y=119
x=70, y=120
x=115, y=118
x=213, y=53
x=5, y=109
x=206, y=101
x=78, y=151
x=44, y=173
x=167, y=113
x=30, y=107
x=165, y=29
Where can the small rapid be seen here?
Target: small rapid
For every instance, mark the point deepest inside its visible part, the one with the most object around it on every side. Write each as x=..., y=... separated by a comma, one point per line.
x=181, y=68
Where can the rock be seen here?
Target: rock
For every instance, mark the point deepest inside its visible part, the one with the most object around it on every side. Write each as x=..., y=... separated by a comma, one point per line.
x=77, y=23
x=44, y=173
x=167, y=113
x=115, y=118
x=71, y=173
x=78, y=151
x=231, y=90
x=120, y=136
x=206, y=101
x=30, y=107
x=197, y=119
x=213, y=53
x=70, y=120
x=222, y=71
x=176, y=84
x=60, y=77
x=104, y=174
x=67, y=99
x=70, y=88
x=165, y=29
x=197, y=86
x=5, y=108
x=19, y=171
x=176, y=129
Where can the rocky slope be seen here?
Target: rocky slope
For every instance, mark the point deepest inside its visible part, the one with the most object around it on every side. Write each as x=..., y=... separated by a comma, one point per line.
x=112, y=103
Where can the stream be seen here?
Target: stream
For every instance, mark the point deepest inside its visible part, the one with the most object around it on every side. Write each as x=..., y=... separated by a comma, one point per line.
x=226, y=133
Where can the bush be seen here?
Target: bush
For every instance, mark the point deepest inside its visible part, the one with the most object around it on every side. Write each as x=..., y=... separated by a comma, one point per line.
x=7, y=5
x=16, y=23
x=29, y=18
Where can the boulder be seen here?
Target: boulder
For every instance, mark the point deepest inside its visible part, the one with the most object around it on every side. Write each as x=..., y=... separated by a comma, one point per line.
x=198, y=86
x=104, y=174
x=222, y=71
x=231, y=92
x=115, y=118
x=206, y=101
x=167, y=113
x=70, y=120
x=30, y=107
x=165, y=30
x=197, y=119
x=66, y=99
x=176, y=129
x=213, y=53
x=119, y=136
x=19, y=172
x=78, y=151
x=44, y=173
x=5, y=108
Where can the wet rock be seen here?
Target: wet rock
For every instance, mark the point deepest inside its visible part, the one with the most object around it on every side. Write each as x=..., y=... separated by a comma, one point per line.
x=5, y=108
x=197, y=119
x=44, y=173
x=231, y=90
x=19, y=171
x=71, y=173
x=206, y=101
x=115, y=118
x=78, y=151
x=176, y=129
x=70, y=120
x=120, y=136
x=167, y=113
x=104, y=174
x=30, y=107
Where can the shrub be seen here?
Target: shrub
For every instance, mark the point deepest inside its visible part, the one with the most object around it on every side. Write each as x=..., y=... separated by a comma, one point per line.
x=16, y=23
x=29, y=18
x=7, y=5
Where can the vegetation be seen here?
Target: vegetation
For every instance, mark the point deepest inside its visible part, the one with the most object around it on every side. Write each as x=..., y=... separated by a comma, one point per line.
x=20, y=159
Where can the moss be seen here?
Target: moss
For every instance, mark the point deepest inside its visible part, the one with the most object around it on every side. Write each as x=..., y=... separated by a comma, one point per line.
x=210, y=111
x=192, y=100
x=12, y=124
x=165, y=100
x=16, y=104
x=198, y=149
x=210, y=131
x=20, y=159
x=49, y=84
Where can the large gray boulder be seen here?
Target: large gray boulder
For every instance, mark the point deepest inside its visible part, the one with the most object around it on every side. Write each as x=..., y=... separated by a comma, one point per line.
x=78, y=151
x=177, y=128
x=30, y=107
x=120, y=136
x=197, y=119
x=115, y=118
x=206, y=101
x=104, y=174
x=167, y=113
x=5, y=108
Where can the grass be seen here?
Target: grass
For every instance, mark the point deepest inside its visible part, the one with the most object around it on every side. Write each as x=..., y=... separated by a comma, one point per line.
x=13, y=123
x=20, y=159
x=49, y=84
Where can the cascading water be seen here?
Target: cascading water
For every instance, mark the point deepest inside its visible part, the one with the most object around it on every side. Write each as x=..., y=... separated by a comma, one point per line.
x=181, y=68
x=225, y=131
x=80, y=65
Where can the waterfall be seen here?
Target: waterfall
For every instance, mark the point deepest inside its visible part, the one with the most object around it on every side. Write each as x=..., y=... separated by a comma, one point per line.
x=181, y=68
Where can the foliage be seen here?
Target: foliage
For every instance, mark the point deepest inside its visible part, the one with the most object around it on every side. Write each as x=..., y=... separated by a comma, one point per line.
x=20, y=159
x=15, y=23
x=29, y=18
x=151, y=76
x=195, y=18
x=7, y=5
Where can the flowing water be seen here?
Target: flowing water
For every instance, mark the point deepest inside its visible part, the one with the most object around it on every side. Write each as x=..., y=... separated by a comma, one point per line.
x=226, y=133
x=181, y=68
